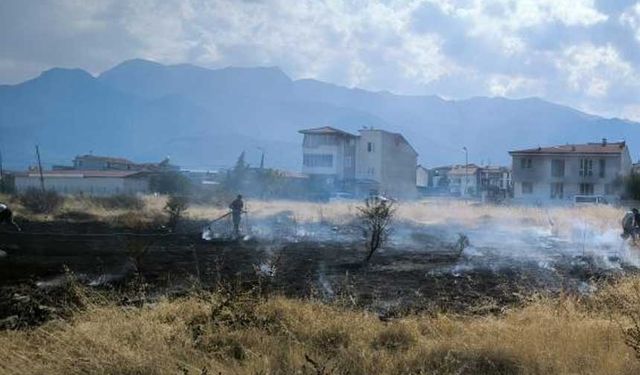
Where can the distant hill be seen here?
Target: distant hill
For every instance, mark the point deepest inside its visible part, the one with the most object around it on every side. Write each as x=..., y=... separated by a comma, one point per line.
x=204, y=118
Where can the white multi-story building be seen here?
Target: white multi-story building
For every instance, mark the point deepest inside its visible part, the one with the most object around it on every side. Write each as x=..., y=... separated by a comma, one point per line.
x=373, y=161
x=328, y=156
x=562, y=172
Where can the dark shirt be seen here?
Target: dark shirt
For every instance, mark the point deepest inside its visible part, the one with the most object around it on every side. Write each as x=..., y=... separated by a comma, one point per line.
x=636, y=219
x=236, y=206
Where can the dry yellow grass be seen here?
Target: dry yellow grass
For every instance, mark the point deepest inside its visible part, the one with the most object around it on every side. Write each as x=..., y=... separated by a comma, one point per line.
x=560, y=336
x=436, y=211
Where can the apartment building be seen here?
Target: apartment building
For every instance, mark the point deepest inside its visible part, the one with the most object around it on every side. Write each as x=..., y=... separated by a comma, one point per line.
x=559, y=173
x=374, y=160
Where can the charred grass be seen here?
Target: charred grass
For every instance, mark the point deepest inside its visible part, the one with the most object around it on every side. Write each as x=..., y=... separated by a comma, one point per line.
x=232, y=332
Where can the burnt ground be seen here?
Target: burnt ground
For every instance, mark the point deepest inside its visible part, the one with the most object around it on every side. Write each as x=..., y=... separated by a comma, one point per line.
x=419, y=270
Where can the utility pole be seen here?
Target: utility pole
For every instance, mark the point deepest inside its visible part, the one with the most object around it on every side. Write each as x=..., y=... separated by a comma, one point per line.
x=2, y=187
x=40, y=168
x=261, y=157
x=466, y=170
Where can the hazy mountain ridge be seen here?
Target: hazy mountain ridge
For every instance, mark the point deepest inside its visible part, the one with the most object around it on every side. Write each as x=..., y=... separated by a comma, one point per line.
x=204, y=118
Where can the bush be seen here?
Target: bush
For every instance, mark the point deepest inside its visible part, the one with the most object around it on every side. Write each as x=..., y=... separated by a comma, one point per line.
x=632, y=186
x=39, y=202
x=376, y=217
x=175, y=207
x=127, y=202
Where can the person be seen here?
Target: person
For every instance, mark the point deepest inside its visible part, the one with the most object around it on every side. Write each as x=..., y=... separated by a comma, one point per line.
x=630, y=222
x=6, y=216
x=236, y=212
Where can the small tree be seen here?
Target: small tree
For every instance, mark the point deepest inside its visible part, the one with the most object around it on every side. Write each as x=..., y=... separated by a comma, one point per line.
x=376, y=215
x=175, y=207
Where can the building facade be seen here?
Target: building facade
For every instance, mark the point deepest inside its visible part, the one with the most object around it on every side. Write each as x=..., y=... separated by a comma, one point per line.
x=464, y=180
x=328, y=156
x=374, y=161
x=107, y=163
x=91, y=183
x=422, y=179
x=561, y=172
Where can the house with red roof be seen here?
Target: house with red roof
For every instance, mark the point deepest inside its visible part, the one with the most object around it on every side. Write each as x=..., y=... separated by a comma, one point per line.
x=562, y=172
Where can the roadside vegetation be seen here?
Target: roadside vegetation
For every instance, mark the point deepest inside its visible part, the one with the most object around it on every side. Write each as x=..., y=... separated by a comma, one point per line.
x=234, y=332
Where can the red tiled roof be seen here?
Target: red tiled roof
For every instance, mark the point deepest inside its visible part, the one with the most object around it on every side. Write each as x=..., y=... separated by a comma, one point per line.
x=588, y=148
x=325, y=130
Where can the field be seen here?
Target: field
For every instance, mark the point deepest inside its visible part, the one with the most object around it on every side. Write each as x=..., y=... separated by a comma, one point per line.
x=536, y=291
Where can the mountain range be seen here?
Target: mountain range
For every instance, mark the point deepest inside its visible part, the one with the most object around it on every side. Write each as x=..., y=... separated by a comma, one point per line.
x=204, y=118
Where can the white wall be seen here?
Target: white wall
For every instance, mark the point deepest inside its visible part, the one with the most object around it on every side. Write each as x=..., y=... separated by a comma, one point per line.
x=96, y=186
x=391, y=162
x=422, y=177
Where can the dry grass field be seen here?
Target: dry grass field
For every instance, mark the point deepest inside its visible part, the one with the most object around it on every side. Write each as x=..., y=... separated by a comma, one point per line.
x=226, y=332
x=212, y=333
x=436, y=211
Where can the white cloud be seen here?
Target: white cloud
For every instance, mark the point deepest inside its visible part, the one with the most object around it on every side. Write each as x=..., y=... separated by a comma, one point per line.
x=593, y=69
x=501, y=21
x=518, y=86
x=631, y=19
x=454, y=48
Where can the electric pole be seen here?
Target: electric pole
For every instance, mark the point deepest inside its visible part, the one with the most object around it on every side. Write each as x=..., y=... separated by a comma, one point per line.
x=40, y=168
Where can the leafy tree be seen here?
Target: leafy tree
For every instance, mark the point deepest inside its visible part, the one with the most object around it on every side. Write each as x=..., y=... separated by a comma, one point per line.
x=376, y=215
x=170, y=183
x=632, y=186
x=238, y=174
x=7, y=185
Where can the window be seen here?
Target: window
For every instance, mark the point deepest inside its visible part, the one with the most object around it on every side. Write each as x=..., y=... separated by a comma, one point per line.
x=371, y=171
x=603, y=165
x=525, y=163
x=586, y=189
x=557, y=168
x=317, y=160
x=527, y=188
x=557, y=191
x=315, y=140
x=369, y=146
x=586, y=167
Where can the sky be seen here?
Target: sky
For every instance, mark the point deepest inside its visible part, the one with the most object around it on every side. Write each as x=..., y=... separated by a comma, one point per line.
x=581, y=53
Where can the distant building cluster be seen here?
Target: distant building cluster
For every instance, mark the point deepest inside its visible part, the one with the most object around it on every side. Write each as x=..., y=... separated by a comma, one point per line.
x=382, y=162
x=339, y=164
x=93, y=175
